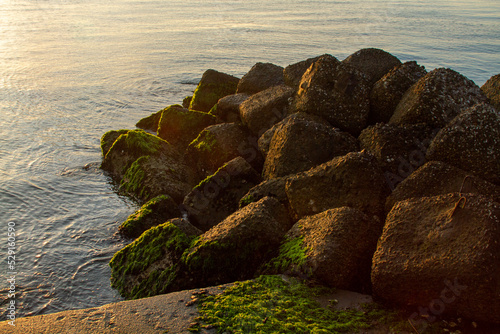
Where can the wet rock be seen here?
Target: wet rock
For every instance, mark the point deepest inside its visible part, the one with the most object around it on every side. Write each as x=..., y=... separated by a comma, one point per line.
x=375, y=63
x=437, y=178
x=269, y=188
x=292, y=74
x=109, y=138
x=180, y=126
x=218, y=196
x=186, y=102
x=265, y=108
x=294, y=145
x=336, y=92
x=388, y=91
x=471, y=142
x=260, y=77
x=436, y=99
x=353, y=180
x=442, y=254
x=491, y=89
x=212, y=87
x=227, y=109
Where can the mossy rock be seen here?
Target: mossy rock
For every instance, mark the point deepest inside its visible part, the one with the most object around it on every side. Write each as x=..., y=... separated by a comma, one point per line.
x=154, y=212
x=109, y=138
x=150, y=122
x=212, y=87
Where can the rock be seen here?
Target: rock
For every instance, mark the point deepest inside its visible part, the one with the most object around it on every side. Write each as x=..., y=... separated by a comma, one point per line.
x=337, y=246
x=265, y=140
x=260, y=77
x=292, y=74
x=436, y=99
x=227, y=109
x=437, y=178
x=150, y=265
x=212, y=87
x=442, y=255
x=388, y=91
x=153, y=213
x=295, y=145
x=339, y=93
x=491, y=89
x=375, y=63
x=150, y=122
x=180, y=126
x=220, y=143
x=109, y=138
x=235, y=248
x=399, y=150
x=218, y=196
x=471, y=142
x=265, y=108
x=186, y=102
x=353, y=180
x=269, y=188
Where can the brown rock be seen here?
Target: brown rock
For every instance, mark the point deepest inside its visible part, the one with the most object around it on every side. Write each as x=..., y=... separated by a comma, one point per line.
x=227, y=109
x=491, y=89
x=375, y=63
x=260, y=77
x=212, y=87
x=292, y=74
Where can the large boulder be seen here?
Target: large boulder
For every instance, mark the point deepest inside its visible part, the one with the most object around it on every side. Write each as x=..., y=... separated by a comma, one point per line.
x=219, y=195
x=353, y=180
x=150, y=122
x=265, y=108
x=235, y=248
x=388, y=91
x=260, y=77
x=339, y=93
x=471, y=142
x=269, y=188
x=436, y=99
x=212, y=87
x=227, y=109
x=438, y=178
x=292, y=74
x=303, y=141
x=109, y=138
x=180, y=126
x=491, y=89
x=375, y=63
x=155, y=212
x=334, y=247
x=442, y=255
x=220, y=143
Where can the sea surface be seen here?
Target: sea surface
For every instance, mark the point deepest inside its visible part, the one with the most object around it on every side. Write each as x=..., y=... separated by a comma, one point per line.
x=71, y=70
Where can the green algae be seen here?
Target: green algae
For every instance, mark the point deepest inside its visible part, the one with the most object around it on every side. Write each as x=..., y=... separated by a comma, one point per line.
x=292, y=254
x=132, y=181
x=205, y=142
x=143, y=142
x=108, y=139
x=246, y=200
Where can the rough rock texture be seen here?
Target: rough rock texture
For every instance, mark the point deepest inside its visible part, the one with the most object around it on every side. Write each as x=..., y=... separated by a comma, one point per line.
x=272, y=188
x=265, y=108
x=437, y=98
x=219, y=195
x=212, y=87
x=388, y=91
x=399, y=150
x=153, y=213
x=292, y=74
x=339, y=244
x=227, y=109
x=471, y=142
x=236, y=247
x=220, y=143
x=375, y=63
x=187, y=101
x=353, y=180
x=261, y=76
x=180, y=126
x=437, y=178
x=491, y=89
x=109, y=138
x=339, y=93
x=294, y=145
x=151, y=122
x=442, y=253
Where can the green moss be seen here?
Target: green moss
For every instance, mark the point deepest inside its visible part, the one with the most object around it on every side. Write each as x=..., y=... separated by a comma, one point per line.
x=145, y=143
x=205, y=142
x=269, y=304
x=132, y=181
x=141, y=220
x=246, y=200
x=292, y=255
x=108, y=139
x=206, y=95
x=151, y=122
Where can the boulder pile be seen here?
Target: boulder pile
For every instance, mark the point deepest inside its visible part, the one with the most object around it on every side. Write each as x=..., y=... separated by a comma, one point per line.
x=366, y=174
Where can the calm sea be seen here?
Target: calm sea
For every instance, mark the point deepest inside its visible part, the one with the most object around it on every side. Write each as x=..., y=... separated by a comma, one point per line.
x=72, y=69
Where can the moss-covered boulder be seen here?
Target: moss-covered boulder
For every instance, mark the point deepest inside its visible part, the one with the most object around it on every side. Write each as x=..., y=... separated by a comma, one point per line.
x=260, y=77
x=213, y=86
x=227, y=109
x=239, y=245
x=109, y=138
x=471, y=142
x=388, y=91
x=491, y=89
x=150, y=122
x=180, y=126
x=265, y=108
x=218, y=195
x=339, y=93
x=436, y=99
x=292, y=74
x=441, y=254
x=150, y=265
x=295, y=145
x=354, y=180
x=155, y=212
x=375, y=63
